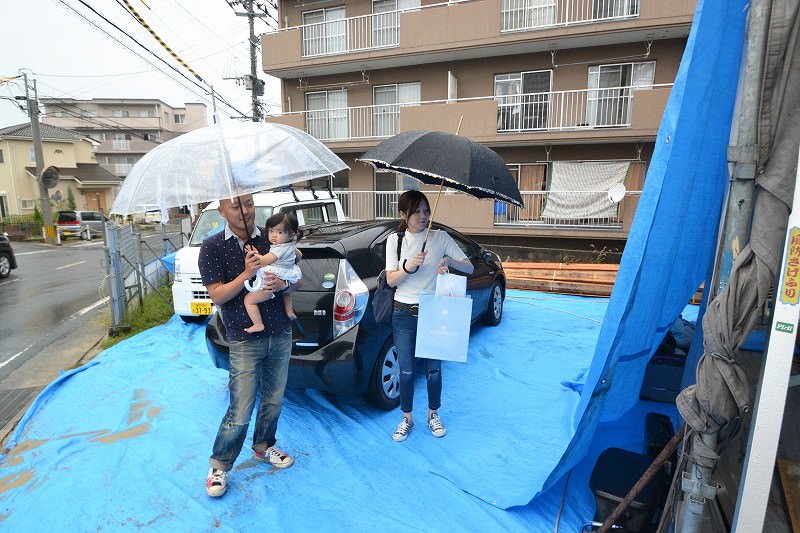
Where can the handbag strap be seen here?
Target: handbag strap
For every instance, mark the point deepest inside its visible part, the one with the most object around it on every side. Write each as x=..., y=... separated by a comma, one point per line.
x=400, y=236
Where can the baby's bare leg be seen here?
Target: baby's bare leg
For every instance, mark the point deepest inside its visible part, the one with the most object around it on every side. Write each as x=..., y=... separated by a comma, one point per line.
x=288, y=307
x=251, y=301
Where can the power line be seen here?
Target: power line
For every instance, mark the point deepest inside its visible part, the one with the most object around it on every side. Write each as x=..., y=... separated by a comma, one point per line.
x=63, y=2
x=160, y=41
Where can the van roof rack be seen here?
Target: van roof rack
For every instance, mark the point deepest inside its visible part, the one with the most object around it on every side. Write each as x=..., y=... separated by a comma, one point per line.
x=293, y=189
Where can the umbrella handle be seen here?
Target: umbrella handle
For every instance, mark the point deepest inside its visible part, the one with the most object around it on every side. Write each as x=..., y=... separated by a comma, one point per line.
x=424, y=243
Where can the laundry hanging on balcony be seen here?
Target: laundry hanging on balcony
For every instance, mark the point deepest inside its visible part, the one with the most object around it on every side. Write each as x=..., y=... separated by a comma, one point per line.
x=579, y=189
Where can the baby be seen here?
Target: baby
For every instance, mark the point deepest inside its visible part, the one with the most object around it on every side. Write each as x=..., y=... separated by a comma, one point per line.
x=280, y=261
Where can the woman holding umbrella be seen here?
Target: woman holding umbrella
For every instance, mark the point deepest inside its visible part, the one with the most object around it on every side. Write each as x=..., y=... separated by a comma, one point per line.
x=415, y=270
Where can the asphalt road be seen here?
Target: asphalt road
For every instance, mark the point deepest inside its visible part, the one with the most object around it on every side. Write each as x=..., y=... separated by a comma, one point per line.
x=53, y=292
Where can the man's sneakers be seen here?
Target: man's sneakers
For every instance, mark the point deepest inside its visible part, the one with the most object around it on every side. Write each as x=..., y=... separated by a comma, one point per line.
x=402, y=431
x=275, y=457
x=435, y=425
x=216, y=483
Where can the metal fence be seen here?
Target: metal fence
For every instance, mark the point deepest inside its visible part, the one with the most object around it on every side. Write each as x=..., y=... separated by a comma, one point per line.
x=134, y=268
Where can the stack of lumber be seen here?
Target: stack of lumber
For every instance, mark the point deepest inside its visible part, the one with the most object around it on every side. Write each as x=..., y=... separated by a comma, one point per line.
x=585, y=279
x=564, y=278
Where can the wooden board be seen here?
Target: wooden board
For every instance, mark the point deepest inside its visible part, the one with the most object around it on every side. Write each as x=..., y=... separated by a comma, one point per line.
x=790, y=479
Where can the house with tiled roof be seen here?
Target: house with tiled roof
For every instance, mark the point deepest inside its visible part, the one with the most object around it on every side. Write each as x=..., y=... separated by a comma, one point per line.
x=91, y=185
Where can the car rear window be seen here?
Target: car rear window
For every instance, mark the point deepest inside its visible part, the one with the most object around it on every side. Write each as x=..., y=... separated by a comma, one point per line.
x=319, y=273
x=211, y=221
x=67, y=216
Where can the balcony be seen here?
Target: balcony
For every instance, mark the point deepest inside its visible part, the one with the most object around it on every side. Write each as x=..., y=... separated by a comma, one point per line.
x=526, y=15
x=544, y=210
x=469, y=28
x=599, y=114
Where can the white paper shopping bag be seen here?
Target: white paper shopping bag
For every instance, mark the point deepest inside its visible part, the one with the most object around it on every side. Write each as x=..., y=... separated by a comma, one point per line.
x=443, y=327
x=451, y=285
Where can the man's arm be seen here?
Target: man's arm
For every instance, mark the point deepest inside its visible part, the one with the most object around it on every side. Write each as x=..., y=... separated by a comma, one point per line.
x=224, y=292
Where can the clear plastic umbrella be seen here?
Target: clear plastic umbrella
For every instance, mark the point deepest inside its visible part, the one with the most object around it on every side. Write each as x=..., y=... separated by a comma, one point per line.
x=224, y=160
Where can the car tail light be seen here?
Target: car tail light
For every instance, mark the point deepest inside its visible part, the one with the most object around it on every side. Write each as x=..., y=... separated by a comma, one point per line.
x=344, y=306
x=349, y=300
x=70, y=223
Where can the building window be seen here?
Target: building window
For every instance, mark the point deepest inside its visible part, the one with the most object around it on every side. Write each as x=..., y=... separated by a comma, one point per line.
x=324, y=32
x=327, y=114
x=615, y=9
x=4, y=212
x=147, y=113
x=88, y=113
x=1, y=155
x=120, y=113
x=58, y=113
x=27, y=204
x=388, y=100
x=610, y=98
x=180, y=118
x=523, y=100
x=527, y=14
x=121, y=142
x=32, y=155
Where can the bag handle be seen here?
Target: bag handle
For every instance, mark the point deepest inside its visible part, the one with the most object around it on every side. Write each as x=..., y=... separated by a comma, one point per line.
x=447, y=280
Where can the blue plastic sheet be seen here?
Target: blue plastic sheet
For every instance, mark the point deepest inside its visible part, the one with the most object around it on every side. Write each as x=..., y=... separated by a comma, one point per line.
x=123, y=442
x=670, y=247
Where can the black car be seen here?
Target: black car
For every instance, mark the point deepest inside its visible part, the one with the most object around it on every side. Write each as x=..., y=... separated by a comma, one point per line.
x=7, y=260
x=337, y=345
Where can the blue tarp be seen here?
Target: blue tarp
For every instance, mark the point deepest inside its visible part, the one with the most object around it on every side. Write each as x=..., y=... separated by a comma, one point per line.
x=123, y=442
x=673, y=237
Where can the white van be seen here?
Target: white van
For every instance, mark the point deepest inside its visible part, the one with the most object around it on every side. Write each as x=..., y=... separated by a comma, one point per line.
x=189, y=295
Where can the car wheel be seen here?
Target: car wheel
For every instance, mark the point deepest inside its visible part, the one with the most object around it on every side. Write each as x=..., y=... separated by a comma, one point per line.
x=494, y=312
x=85, y=235
x=383, y=390
x=5, y=266
x=192, y=319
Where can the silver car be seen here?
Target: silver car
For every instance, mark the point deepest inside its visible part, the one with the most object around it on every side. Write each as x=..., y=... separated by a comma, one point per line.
x=83, y=224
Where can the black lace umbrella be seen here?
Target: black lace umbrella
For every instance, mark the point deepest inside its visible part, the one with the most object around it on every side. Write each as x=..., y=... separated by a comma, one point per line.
x=438, y=158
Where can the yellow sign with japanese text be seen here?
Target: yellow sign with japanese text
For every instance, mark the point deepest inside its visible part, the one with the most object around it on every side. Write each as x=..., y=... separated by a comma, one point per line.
x=790, y=288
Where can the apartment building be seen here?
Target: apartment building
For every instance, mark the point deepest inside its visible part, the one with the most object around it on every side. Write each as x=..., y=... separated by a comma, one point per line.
x=569, y=92
x=125, y=129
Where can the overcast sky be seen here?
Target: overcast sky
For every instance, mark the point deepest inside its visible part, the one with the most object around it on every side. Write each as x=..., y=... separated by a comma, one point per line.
x=71, y=58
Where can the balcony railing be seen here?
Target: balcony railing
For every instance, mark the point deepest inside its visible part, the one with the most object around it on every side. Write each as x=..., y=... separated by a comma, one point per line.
x=122, y=169
x=543, y=209
x=356, y=34
x=523, y=15
x=566, y=110
x=382, y=30
x=584, y=109
x=349, y=123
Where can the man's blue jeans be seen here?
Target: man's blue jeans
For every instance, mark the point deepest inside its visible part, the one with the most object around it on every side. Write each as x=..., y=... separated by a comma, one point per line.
x=259, y=364
x=404, y=326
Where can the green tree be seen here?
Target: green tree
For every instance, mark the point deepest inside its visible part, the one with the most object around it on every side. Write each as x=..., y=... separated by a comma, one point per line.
x=71, y=200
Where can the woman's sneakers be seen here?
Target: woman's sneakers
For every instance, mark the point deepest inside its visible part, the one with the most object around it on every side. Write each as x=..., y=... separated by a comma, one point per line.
x=402, y=431
x=405, y=427
x=436, y=427
x=216, y=484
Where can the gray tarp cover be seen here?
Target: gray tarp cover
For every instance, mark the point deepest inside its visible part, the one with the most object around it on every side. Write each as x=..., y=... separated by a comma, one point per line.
x=722, y=393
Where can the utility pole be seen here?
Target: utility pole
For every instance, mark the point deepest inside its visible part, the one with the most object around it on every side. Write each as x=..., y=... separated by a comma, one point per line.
x=253, y=63
x=252, y=82
x=44, y=198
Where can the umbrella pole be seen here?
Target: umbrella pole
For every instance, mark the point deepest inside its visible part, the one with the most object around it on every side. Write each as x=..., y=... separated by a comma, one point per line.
x=433, y=214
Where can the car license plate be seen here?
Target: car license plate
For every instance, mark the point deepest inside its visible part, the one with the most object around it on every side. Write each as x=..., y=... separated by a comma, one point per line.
x=201, y=308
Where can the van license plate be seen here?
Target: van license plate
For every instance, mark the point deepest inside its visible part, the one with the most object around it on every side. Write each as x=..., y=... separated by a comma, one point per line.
x=201, y=308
